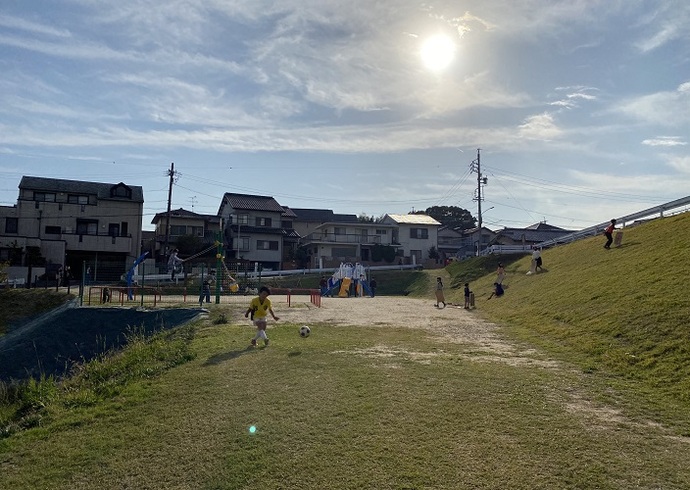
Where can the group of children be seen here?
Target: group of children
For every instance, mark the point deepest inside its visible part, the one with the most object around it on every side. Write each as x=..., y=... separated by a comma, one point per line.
x=440, y=298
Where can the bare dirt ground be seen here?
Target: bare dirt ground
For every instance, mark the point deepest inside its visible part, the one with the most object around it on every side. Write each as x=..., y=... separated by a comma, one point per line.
x=451, y=324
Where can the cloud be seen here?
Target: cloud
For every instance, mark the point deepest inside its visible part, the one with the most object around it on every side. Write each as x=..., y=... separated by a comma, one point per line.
x=664, y=141
x=20, y=24
x=680, y=163
x=540, y=127
x=667, y=108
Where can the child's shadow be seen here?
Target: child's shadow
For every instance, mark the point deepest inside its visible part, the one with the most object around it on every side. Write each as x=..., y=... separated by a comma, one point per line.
x=227, y=356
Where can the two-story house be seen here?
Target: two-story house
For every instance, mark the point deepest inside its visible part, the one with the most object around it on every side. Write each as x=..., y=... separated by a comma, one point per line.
x=72, y=223
x=253, y=228
x=416, y=235
x=340, y=238
x=180, y=222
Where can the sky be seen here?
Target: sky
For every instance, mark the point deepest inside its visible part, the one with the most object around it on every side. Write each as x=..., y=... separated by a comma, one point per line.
x=581, y=108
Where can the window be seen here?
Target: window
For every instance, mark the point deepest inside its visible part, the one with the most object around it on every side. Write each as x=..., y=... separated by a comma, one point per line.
x=178, y=230
x=197, y=231
x=266, y=245
x=421, y=233
x=241, y=219
x=339, y=231
x=87, y=227
x=11, y=225
x=121, y=190
x=53, y=230
x=381, y=232
x=44, y=196
x=75, y=199
x=263, y=222
x=124, y=228
x=113, y=229
x=243, y=244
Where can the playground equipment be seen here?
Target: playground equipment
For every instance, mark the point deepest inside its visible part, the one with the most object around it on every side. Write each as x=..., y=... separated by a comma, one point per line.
x=343, y=279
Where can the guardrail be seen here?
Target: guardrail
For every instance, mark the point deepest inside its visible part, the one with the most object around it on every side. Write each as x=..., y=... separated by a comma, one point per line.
x=653, y=212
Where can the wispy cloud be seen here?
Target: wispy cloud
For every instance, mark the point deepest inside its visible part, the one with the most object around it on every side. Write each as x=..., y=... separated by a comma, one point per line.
x=665, y=141
x=666, y=108
x=540, y=127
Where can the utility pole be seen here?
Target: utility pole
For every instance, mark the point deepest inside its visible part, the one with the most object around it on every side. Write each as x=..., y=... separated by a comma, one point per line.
x=171, y=174
x=481, y=180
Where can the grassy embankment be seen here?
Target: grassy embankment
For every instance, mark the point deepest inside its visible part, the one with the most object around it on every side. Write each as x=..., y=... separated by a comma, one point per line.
x=623, y=312
x=395, y=408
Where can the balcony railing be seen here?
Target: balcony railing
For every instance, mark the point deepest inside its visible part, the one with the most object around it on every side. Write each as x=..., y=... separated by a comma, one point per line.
x=342, y=238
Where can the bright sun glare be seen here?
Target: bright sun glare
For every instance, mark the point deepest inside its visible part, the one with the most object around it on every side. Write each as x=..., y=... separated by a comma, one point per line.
x=437, y=52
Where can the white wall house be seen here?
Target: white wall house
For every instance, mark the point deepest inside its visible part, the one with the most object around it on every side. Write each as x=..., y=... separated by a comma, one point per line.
x=416, y=234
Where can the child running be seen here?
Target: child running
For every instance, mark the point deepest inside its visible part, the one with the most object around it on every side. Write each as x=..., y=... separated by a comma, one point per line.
x=259, y=309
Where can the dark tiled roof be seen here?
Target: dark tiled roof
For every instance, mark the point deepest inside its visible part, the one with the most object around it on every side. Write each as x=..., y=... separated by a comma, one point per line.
x=99, y=189
x=313, y=215
x=345, y=218
x=288, y=213
x=543, y=227
x=183, y=213
x=249, y=202
x=530, y=235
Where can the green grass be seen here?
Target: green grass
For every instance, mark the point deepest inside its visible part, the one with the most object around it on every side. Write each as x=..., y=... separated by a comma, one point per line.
x=346, y=408
x=17, y=305
x=623, y=312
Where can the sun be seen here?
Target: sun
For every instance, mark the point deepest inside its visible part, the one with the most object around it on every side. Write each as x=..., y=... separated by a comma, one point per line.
x=437, y=52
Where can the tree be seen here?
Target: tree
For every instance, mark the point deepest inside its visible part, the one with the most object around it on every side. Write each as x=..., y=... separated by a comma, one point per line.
x=451, y=216
x=190, y=245
x=433, y=253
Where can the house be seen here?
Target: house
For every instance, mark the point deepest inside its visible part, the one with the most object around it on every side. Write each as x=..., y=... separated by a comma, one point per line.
x=77, y=224
x=474, y=240
x=180, y=222
x=252, y=229
x=531, y=235
x=416, y=235
x=450, y=241
x=340, y=238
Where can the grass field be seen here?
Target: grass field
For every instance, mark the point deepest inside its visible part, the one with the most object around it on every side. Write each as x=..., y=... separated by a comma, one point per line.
x=581, y=383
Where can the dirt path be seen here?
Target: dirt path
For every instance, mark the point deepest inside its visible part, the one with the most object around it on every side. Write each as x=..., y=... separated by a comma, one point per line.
x=451, y=324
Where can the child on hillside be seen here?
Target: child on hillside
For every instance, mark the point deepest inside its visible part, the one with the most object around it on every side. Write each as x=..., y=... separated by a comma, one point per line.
x=467, y=295
x=498, y=291
x=259, y=309
x=609, y=234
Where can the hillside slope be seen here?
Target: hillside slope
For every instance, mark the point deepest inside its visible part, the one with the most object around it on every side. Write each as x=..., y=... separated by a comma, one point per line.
x=624, y=311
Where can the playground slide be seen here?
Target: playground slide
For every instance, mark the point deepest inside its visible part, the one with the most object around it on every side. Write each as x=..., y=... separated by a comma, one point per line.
x=344, y=287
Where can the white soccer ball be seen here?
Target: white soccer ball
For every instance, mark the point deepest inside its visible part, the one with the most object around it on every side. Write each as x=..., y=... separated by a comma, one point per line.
x=304, y=331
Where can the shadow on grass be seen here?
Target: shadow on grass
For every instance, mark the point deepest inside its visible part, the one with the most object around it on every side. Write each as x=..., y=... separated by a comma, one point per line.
x=227, y=356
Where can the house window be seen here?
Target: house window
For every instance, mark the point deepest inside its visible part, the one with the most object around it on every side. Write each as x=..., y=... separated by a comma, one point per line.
x=124, y=228
x=113, y=229
x=381, y=232
x=243, y=243
x=240, y=219
x=121, y=190
x=339, y=231
x=266, y=245
x=178, y=230
x=198, y=231
x=53, y=230
x=421, y=233
x=87, y=227
x=75, y=199
x=263, y=222
x=44, y=196
x=11, y=225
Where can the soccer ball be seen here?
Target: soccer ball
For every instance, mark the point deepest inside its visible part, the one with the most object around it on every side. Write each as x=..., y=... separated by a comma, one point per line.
x=304, y=331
